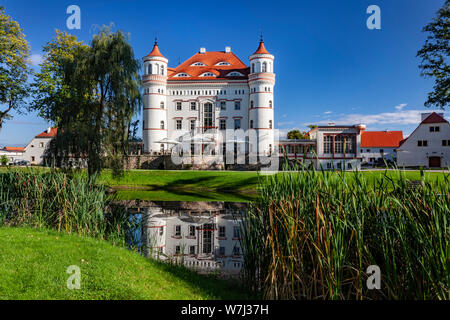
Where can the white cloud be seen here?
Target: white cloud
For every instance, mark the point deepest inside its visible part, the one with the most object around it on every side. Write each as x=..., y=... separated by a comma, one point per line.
x=36, y=59
x=400, y=106
x=328, y=112
x=408, y=117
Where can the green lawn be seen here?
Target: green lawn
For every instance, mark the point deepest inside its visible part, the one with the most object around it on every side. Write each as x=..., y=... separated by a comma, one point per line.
x=33, y=265
x=192, y=185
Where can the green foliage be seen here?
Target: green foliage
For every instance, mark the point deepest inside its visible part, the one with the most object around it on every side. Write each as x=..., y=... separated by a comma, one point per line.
x=312, y=235
x=14, y=65
x=296, y=134
x=91, y=93
x=4, y=160
x=435, y=57
x=107, y=272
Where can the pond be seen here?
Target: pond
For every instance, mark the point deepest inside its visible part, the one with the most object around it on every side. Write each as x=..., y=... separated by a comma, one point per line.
x=204, y=236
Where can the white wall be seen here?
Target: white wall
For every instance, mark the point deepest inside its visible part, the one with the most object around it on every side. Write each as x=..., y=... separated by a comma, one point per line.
x=411, y=155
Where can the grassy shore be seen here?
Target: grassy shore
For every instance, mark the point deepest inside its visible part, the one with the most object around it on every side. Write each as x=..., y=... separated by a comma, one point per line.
x=33, y=265
x=193, y=185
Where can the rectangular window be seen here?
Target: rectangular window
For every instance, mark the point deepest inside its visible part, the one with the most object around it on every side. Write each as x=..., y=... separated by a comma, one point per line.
x=446, y=143
x=222, y=231
x=41, y=144
x=236, y=232
x=178, y=105
x=177, y=249
x=434, y=129
x=237, y=124
x=327, y=142
x=237, y=105
x=223, y=124
x=350, y=144
x=161, y=231
x=178, y=124
x=192, y=250
x=422, y=143
x=192, y=231
x=221, y=251
x=192, y=124
x=236, y=251
x=177, y=230
x=338, y=144
x=223, y=105
x=193, y=105
x=270, y=124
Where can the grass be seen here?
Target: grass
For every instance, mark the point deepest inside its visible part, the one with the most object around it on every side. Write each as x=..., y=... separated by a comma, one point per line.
x=312, y=235
x=33, y=265
x=190, y=185
x=195, y=185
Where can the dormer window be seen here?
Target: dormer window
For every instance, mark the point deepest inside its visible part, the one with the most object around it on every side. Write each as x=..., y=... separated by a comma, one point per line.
x=198, y=64
x=235, y=74
x=208, y=74
x=182, y=75
x=223, y=63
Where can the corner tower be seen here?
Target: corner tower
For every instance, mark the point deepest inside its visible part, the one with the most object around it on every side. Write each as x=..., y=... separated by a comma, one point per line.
x=261, y=81
x=154, y=80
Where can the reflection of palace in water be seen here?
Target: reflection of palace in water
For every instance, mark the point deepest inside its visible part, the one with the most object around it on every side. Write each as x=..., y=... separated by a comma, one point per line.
x=204, y=236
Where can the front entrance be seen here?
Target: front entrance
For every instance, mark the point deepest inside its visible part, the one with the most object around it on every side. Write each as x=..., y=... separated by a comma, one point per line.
x=434, y=162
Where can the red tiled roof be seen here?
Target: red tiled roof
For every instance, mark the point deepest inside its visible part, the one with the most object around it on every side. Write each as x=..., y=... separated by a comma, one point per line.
x=371, y=139
x=210, y=59
x=155, y=52
x=261, y=49
x=20, y=149
x=434, y=118
x=45, y=134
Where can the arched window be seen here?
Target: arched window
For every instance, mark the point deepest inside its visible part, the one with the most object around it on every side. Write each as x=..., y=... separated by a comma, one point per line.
x=162, y=70
x=251, y=124
x=161, y=105
x=162, y=124
x=270, y=124
x=253, y=68
x=149, y=69
x=270, y=103
x=251, y=104
x=157, y=69
x=258, y=67
x=264, y=67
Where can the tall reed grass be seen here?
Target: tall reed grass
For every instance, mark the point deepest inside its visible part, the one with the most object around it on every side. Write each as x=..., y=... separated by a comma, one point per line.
x=313, y=234
x=61, y=201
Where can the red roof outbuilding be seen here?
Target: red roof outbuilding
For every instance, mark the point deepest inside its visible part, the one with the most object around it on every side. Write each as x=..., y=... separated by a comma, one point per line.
x=47, y=134
x=377, y=139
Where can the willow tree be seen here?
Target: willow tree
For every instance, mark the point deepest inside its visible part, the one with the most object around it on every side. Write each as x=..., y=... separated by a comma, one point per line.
x=14, y=66
x=101, y=94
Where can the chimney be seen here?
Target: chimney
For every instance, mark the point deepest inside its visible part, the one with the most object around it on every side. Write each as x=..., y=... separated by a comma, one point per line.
x=202, y=50
x=48, y=130
x=227, y=49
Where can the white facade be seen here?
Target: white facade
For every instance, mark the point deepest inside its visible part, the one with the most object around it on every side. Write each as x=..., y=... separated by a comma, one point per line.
x=428, y=145
x=209, y=93
x=374, y=155
x=329, y=147
x=12, y=154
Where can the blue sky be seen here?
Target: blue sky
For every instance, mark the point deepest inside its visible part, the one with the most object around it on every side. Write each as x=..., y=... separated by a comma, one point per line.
x=329, y=66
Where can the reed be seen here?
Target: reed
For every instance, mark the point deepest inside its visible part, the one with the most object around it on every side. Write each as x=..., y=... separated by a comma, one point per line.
x=58, y=200
x=312, y=235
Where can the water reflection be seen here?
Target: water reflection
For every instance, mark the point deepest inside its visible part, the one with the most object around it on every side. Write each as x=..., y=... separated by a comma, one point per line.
x=204, y=236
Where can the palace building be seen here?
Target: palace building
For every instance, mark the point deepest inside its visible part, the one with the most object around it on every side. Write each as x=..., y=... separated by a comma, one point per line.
x=210, y=93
